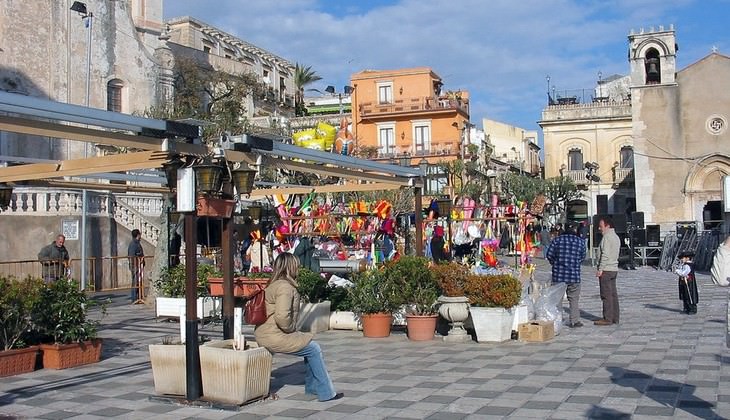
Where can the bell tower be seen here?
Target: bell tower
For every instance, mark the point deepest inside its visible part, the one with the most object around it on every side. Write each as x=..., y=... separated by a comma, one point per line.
x=652, y=56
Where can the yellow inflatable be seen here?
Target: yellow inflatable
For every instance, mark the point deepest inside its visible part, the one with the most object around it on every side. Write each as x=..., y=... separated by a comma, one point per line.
x=320, y=138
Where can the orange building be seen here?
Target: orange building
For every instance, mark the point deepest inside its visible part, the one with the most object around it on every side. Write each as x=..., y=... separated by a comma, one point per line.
x=404, y=114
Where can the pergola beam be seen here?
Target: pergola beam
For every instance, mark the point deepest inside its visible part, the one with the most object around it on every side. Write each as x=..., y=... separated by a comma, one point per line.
x=79, y=167
x=337, y=172
x=259, y=193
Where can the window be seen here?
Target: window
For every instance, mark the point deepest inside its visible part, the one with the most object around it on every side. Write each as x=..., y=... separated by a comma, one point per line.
x=114, y=95
x=207, y=47
x=575, y=160
x=386, y=139
x=385, y=93
x=626, y=157
x=421, y=137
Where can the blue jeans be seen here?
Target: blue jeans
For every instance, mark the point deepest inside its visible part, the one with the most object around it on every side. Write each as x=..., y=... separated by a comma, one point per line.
x=316, y=380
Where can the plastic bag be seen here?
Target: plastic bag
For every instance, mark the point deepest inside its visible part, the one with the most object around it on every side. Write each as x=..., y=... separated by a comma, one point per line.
x=547, y=306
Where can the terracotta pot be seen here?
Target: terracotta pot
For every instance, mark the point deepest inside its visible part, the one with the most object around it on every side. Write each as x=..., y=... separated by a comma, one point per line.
x=14, y=362
x=62, y=356
x=242, y=286
x=376, y=325
x=421, y=327
x=215, y=207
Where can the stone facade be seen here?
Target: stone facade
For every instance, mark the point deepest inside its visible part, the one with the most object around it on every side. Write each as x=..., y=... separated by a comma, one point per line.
x=514, y=145
x=44, y=53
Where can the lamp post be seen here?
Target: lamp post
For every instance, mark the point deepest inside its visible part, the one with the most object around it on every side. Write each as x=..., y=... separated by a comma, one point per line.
x=88, y=17
x=591, y=168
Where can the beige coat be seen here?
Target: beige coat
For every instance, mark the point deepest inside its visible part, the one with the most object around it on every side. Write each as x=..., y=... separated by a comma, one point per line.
x=279, y=333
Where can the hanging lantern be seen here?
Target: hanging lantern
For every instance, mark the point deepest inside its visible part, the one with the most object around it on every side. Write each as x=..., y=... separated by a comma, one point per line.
x=208, y=178
x=254, y=211
x=243, y=180
x=6, y=194
x=170, y=169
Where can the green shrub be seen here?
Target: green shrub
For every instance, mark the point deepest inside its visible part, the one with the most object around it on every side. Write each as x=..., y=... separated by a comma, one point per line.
x=372, y=293
x=500, y=291
x=311, y=286
x=451, y=278
x=171, y=282
x=17, y=299
x=60, y=313
x=415, y=281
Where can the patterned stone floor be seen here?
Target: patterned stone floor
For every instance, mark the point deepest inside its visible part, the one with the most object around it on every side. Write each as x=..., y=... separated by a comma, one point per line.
x=658, y=363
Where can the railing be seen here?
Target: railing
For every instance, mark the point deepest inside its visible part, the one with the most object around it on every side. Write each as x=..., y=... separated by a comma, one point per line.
x=414, y=105
x=103, y=273
x=579, y=177
x=621, y=175
x=132, y=219
x=148, y=205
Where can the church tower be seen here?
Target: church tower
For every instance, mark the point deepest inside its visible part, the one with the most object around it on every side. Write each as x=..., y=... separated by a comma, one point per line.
x=652, y=56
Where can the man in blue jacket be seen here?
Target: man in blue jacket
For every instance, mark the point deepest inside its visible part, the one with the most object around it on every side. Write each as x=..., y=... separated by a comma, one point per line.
x=565, y=254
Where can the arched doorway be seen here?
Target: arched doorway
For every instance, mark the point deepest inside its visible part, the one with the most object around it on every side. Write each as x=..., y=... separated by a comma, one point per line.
x=704, y=190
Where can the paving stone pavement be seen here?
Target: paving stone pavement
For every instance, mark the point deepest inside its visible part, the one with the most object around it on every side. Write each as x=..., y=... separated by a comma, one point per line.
x=658, y=363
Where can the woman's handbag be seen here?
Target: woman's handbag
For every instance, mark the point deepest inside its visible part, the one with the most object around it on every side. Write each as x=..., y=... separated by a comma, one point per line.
x=255, y=309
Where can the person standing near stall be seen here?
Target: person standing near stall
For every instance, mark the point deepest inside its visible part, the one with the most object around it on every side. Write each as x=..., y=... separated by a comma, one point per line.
x=607, y=270
x=688, y=293
x=135, y=253
x=54, y=259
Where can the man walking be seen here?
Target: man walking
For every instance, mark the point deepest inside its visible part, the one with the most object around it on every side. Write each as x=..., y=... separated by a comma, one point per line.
x=135, y=253
x=565, y=254
x=608, y=252
x=54, y=259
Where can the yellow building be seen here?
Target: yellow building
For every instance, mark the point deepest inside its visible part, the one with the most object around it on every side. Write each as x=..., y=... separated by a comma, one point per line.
x=404, y=114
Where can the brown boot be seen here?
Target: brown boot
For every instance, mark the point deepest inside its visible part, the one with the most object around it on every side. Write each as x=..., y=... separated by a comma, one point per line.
x=602, y=322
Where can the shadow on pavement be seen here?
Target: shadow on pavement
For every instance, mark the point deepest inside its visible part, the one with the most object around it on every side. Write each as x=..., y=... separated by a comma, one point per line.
x=668, y=393
x=653, y=306
x=600, y=413
x=292, y=374
x=587, y=315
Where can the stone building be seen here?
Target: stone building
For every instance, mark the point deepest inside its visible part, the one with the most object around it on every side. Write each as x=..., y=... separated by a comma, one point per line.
x=658, y=136
x=514, y=145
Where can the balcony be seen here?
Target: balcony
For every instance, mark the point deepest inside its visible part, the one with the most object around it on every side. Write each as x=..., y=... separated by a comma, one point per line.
x=579, y=177
x=623, y=176
x=413, y=106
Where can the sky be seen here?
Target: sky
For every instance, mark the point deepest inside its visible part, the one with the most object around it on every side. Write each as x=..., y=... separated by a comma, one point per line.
x=499, y=50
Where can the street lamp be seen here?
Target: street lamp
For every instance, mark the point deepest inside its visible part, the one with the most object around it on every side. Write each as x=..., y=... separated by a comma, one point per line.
x=423, y=165
x=346, y=90
x=591, y=168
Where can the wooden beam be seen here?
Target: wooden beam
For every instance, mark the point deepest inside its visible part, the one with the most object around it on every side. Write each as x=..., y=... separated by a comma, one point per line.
x=259, y=193
x=90, y=135
x=98, y=187
x=80, y=167
x=336, y=172
x=234, y=156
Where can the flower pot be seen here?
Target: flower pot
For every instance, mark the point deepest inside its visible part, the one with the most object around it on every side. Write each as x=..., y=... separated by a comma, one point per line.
x=62, y=356
x=168, y=368
x=214, y=207
x=456, y=311
x=492, y=325
x=376, y=325
x=17, y=361
x=170, y=307
x=242, y=286
x=314, y=317
x=421, y=327
x=234, y=376
x=345, y=320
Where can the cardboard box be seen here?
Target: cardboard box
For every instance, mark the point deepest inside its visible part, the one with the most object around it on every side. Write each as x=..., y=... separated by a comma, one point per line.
x=536, y=331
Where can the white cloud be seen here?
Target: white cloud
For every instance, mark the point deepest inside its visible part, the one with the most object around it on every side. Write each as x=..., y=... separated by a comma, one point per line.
x=499, y=50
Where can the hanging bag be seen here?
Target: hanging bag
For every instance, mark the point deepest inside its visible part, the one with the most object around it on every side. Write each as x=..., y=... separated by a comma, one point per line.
x=255, y=309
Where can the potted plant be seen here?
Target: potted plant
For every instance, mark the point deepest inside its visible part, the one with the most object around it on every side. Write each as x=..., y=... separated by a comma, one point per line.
x=171, y=289
x=60, y=315
x=16, y=304
x=242, y=286
x=419, y=292
x=314, y=314
x=492, y=298
x=374, y=298
x=454, y=305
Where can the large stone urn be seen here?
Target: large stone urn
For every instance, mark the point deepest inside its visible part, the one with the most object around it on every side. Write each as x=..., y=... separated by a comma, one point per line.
x=456, y=311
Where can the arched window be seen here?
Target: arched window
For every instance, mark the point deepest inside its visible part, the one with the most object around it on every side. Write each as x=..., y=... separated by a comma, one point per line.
x=114, y=95
x=626, y=157
x=653, y=70
x=575, y=160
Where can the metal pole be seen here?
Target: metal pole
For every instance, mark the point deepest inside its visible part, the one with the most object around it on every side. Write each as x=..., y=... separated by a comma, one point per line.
x=83, y=194
x=193, y=382
x=419, y=221
x=228, y=304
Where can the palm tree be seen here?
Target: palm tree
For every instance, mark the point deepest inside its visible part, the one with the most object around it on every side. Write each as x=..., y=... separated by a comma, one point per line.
x=303, y=76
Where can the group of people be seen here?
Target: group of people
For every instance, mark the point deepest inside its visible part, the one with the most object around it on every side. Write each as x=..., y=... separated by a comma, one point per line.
x=567, y=251
x=54, y=259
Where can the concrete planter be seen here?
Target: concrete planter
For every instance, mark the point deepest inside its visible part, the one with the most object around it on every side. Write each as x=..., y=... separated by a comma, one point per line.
x=314, y=317
x=168, y=368
x=345, y=320
x=233, y=376
x=492, y=325
x=170, y=307
x=456, y=311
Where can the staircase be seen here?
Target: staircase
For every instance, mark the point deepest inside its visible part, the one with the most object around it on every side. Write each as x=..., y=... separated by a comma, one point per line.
x=130, y=218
